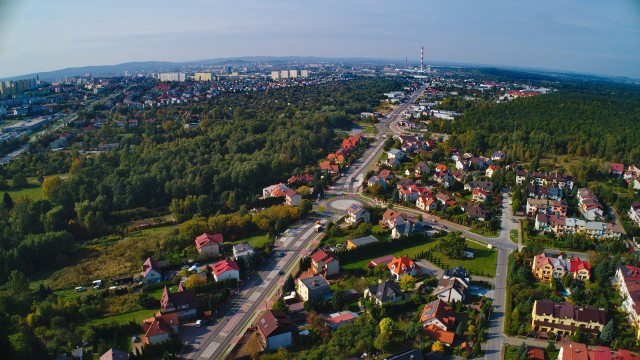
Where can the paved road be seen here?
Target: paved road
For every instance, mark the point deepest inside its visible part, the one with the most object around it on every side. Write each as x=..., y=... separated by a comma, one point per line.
x=242, y=310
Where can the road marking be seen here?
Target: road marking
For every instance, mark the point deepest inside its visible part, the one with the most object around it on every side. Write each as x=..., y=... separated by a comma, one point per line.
x=254, y=296
x=210, y=350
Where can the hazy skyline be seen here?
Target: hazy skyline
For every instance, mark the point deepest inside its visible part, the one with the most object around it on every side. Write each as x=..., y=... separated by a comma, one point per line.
x=584, y=36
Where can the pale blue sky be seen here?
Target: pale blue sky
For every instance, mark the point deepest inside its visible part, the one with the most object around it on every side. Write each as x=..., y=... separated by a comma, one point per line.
x=599, y=37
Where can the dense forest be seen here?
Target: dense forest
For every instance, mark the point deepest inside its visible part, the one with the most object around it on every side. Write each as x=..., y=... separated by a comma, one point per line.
x=243, y=143
x=596, y=121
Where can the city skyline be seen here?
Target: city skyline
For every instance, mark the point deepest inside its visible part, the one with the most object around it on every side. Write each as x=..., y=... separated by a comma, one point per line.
x=571, y=35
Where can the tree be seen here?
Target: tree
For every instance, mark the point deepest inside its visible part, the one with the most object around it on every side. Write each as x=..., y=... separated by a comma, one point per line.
x=51, y=185
x=522, y=351
x=460, y=329
x=317, y=323
x=608, y=332
x=453, y=245
x=437, y=346
x=194, y=280
x=383, y=342
x=305, y=207
x=7, y=202
x=289, y=284
x=387, y=326
x=280, y=305
x=407, y=282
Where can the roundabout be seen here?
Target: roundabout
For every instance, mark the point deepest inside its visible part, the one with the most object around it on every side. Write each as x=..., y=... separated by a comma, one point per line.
x=341, y=204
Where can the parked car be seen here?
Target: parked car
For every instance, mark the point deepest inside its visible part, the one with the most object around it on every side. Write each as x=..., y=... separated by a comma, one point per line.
x=80, y=289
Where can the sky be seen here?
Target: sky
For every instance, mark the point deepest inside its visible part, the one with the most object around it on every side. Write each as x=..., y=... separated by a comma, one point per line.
x=586, y=36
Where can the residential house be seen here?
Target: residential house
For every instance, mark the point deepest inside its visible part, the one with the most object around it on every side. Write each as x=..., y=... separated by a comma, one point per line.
x=243, y=250
x=459, y=273
x=159, y=329
x=445, y=200
x=546, y=268
x=392, y=162
x=324, y=263
x=589, y=205
x=395, y=154
x=408, y=194
x=281, y=190
x=463, y=164
x=182, y=303
x=634, y=213
x=627, y=280
x=498, y=156
x=476, y=212
x=565, y=318
x=577, y=351
x=402, y=266
x=226, y=269
x=538, y=192
x=275, y=330
x=438, y=319
x=616, y=168
x=443, y=178
x=375, y=180
x=422, y=169
x=450, y=290
x=209, y=244
x=479, y=195
x=329, y=167
x=361, y=241
x=491, y=169
x=383, y=292
x=313, y=288
x=545, y=206
x=560, y=225
x=151, y=272
x=392, y=218
x=115, y=354
x=479, y=184
x=441, y=168
x=579, y=269
x=408, y=228
x=300, y=179
x=356, y=213
x=338, y=319
x=384, y=260
x=385, y=175
x=426, y=203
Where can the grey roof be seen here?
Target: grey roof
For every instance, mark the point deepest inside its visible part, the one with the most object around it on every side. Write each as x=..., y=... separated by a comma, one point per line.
x=458, y=272
x=242, y=247
x=316, y=281
x=384, y=290
x=364, y=240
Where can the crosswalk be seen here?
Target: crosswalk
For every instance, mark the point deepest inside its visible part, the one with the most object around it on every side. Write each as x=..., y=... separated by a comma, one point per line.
x=213, y=346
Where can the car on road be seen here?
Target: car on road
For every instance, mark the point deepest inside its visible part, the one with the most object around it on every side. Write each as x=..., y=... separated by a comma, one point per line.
x=280, y=272
x=199, y=323
x=444, y=227
x=80, y=289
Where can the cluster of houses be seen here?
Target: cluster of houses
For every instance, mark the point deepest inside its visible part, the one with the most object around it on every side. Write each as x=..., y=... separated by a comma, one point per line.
x=565, y=318
x=627, y=280
x=176, y=307
x=331, y=165
x=631, y=176
x=549, y=211
x=577, y=351
x=546, y=268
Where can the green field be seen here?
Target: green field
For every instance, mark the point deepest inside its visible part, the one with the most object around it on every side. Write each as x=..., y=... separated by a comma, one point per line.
x=485, y=233
x=485, y=259
x=34, y=192
x=138, y=316
x=257, y=241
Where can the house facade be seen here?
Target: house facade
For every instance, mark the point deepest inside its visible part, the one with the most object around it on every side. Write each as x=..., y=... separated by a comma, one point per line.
x=547, y=268
x=209, y=244
x=275, y=330
x=627, y=280
x=426, y=203
x=383, y=292
x=181, y=303
x=226, y=269
x=313, y=288
x=402, y=266
x=565, y=318
x=356, y=213
x=151, y=272
x=324, y=263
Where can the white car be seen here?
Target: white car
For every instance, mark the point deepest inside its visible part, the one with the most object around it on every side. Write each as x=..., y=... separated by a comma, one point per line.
x=80, y=289
x=199, y=323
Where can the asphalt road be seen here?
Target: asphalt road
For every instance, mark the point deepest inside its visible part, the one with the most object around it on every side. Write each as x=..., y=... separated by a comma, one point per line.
x=241, y=311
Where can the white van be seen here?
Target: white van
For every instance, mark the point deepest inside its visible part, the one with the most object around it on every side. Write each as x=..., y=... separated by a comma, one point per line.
x=199, y=323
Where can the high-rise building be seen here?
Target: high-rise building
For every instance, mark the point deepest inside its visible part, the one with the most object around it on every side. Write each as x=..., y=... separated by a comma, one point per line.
x=275, y=75
x=284, y=74
x=304, y=73
x=293, y=73
x=421, y=58
x=202, y=76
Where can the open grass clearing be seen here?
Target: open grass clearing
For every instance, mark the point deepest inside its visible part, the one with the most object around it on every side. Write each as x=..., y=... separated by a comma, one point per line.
x=485, y=233
x=257, y=241
x=123, y=318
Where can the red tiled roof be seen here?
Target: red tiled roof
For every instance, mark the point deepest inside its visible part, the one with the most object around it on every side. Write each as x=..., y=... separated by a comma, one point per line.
x=437, y=334
x=440, y=310
x=223, y=266
x=321, y=255
x=205, y=239
x=400, y=265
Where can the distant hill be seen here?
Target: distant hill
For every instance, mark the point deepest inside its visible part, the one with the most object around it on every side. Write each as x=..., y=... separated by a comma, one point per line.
x=107, y=70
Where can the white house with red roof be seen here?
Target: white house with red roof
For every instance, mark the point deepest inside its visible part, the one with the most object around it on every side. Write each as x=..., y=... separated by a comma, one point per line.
x=616, y=168
x=402, y=266
x=158, y=329
x=392, y=218
x=209, y=244
x=479, y=195
x=226, y=269
x=281, y=190
x=335, y=320
x=324, y=263
x=491, y=170
x=151, y=272
x=426, y=203
x=579, y=269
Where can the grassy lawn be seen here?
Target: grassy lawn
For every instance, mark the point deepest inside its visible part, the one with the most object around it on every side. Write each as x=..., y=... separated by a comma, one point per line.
x=34, y=192
x=513, y=235
x=484, y=261
x=138, y=316
x=410, y=251
x=484, y=233
x=257, y=241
